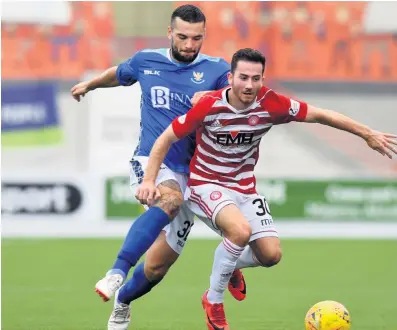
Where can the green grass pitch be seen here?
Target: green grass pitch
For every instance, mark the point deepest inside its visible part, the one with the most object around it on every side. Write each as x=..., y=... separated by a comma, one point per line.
x=49, y=284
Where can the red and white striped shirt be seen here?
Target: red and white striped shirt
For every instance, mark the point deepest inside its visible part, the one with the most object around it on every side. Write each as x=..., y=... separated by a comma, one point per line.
x=228, y=139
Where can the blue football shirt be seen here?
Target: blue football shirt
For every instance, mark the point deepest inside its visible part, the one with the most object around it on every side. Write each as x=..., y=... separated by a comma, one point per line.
x=167, y=89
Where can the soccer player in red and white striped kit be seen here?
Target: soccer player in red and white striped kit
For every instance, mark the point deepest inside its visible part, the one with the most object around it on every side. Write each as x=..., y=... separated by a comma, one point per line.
x=229, y=124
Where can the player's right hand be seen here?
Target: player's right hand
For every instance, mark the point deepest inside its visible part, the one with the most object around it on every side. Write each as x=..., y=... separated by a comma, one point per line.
x=147, y=193
x=384, y=143
x=80, y=90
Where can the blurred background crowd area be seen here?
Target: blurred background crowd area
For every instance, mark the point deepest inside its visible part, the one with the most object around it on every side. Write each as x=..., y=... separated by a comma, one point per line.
x=354, y=41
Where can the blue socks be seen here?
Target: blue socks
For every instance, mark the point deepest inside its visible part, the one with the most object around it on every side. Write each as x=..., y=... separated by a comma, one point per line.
x=137, y=286
x=142, y=234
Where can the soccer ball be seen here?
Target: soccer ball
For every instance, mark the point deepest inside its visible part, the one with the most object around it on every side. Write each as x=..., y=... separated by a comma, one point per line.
x=327, y=315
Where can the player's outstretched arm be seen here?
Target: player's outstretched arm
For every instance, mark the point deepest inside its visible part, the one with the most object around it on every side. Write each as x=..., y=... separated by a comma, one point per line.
x=147, y=193
x=381, y=142
x=107, y=78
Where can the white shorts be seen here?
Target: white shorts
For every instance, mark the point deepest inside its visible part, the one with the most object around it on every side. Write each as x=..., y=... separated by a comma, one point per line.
x=177, y=230
x=207, y=200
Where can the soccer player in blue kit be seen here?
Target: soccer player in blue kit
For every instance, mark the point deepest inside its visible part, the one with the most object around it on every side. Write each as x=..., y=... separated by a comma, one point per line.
x=169, y=78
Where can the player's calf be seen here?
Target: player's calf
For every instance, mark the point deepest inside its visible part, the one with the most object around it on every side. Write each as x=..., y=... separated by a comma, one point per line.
x=236, y=231
x=159, y=259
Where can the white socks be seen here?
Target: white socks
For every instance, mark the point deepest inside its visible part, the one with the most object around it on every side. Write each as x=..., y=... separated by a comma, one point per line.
x=225, y=259
x=247, y=259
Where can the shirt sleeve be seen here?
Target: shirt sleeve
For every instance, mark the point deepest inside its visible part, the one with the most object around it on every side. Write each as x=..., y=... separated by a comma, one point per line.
x=193, y=119
x=128, y=72
x=283, y=109
x=223, y=81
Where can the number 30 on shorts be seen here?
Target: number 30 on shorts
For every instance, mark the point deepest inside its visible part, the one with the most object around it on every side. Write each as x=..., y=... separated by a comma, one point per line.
x=262, y=205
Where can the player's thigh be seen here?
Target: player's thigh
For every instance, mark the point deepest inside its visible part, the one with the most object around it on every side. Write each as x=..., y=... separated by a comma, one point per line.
x=264, y=238
x=169, y=245
x=216, y=206
x=170, y=184
x=207, y=200
x=257, y=211
x=174, y=236
x=171, y=197
x=233, y=224
x=177, y=231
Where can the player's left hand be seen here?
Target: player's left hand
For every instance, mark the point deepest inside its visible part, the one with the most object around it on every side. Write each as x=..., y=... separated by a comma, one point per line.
x=80, y=90
x=197, y=96
x=382, y=143
x=147, y=193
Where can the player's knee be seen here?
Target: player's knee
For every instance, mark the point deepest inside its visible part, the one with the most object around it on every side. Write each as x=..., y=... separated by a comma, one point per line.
x=270, y=258
x=156, y=272
x=240, y=234
x=171, y=203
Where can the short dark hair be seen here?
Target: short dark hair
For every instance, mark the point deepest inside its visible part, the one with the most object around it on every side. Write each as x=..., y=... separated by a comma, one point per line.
x=249, y=55
x=188, y=13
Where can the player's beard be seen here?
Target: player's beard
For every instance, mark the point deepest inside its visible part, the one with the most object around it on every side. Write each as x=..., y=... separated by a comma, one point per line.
x=179, y=57
x=247, y=100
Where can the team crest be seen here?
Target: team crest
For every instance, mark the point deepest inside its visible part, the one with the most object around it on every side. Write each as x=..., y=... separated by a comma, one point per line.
x=215, y=195
x=253, y=120
x=198, y=77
